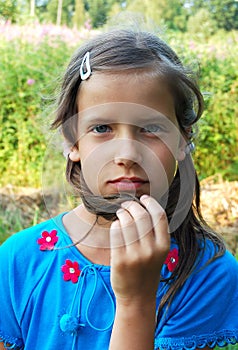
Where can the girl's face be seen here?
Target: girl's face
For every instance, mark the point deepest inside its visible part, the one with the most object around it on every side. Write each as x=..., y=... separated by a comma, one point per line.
x=129, y=138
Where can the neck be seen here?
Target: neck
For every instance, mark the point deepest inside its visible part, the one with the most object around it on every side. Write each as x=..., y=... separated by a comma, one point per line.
x=87, y=229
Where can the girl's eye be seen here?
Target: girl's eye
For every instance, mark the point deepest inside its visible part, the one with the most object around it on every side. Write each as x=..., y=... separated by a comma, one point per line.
x=153, y=129
x=100, y=129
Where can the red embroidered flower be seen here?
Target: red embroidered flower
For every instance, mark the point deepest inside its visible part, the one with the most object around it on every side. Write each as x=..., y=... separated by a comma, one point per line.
x=71, y=271
x=172, y=259
x=48, y=240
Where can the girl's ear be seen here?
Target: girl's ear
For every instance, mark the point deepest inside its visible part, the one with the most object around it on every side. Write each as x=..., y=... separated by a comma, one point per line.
x=181, y=152
x=74, y=154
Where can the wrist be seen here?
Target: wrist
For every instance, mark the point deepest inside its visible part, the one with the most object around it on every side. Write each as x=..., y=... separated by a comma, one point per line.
x=146, y=299
x=136, y=306
x=134, y=324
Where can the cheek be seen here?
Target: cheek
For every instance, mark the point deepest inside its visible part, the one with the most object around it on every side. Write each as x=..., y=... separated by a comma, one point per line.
x=160, y=167
x=170, y=165
x=93, y=162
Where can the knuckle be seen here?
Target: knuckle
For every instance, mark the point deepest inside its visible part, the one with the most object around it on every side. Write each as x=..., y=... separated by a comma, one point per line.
x=124, y=217
x=163, y=215
x=149, y=255
x=127, y=222
x=134, y=259
x=143, y=216
x=160, y=216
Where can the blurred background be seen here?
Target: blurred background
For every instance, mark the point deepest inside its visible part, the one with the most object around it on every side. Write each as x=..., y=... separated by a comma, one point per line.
x=37, y=38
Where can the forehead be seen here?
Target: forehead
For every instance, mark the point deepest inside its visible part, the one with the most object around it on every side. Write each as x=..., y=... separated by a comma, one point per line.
x=141, y=90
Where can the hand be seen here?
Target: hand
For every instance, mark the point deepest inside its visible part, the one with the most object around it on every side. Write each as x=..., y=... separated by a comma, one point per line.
x=139, y=245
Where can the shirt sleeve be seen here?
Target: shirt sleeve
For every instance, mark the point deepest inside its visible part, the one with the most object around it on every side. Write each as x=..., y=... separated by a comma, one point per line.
x=10, y=332
x=204, y=312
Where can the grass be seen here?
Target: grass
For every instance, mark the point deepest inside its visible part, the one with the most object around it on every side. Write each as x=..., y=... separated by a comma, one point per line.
x=12, y=221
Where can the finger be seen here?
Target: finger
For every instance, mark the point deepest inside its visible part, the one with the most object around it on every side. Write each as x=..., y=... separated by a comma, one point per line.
x=128, y=227
x=144, y=227
x=159, y=221
x=141, y=218
x=116, y=237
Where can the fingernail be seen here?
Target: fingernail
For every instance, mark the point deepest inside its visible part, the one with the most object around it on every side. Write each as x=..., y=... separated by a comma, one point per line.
x=126, y=204
x=119, y=211
x=144, y=196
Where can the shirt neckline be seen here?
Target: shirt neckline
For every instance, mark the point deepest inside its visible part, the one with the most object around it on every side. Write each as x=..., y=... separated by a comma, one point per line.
x=68, y=243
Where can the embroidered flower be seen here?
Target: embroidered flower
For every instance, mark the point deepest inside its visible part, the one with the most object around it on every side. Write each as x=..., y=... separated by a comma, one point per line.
x=48, y=240
x=71, y=271
x=172, y=259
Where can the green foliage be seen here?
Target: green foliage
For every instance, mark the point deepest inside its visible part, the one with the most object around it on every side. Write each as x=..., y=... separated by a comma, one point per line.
x=8, y=10
x=208, y=27
x=10, y=222
x=218, y=129
x=27, y=76
x=170, y=14
x=218, y=78
x=98, y=11
x=79, y=14
x=223, y=12
x=67, y=12
x=173, y=14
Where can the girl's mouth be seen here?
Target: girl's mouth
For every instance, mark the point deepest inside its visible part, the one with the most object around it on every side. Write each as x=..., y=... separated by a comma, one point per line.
x=127, y=184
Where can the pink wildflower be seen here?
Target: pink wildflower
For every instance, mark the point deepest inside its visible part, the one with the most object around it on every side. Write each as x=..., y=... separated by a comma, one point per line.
x=30, y=82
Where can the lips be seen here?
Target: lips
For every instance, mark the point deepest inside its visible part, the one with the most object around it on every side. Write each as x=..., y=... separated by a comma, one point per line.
x=127, y=183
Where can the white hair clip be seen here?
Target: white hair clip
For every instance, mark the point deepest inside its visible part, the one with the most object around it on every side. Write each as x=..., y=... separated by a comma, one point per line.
x=85, y=69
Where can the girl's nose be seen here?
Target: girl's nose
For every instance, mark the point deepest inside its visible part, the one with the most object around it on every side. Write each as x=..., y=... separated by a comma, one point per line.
x=127, y=153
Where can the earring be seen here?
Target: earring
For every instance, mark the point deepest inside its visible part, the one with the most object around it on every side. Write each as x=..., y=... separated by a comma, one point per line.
x=190, y=148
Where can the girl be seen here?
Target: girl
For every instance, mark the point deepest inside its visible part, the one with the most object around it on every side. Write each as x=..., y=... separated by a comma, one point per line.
x=134, y=266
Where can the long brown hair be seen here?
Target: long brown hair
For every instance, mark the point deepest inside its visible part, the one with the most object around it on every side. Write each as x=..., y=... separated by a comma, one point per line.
x=133, y=50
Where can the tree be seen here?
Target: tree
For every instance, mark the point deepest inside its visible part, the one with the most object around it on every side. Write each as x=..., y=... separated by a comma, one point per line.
x=171, y=14
x=208, y=24
x=32, y=8
x=99, y=10
x=8, y=10
x=79, y=14
x=57, y=14
x=224, y=12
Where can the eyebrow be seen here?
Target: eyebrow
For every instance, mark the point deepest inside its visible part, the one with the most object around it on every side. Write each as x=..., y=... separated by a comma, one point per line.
x=135, y=120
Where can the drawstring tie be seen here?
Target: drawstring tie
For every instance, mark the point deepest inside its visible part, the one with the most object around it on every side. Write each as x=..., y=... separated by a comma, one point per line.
x=69, y=322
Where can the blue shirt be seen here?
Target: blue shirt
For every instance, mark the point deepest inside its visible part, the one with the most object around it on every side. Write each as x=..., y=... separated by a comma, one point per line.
x=52, y=297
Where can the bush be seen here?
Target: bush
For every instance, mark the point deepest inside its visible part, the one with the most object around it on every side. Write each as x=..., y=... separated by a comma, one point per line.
x=217, y=62
x=31, y=60
x=201, y=24
x=217, y=148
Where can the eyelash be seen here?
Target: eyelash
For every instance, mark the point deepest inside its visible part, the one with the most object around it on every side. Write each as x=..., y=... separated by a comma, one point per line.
x=158, y=129
x=93, y=129
x=144, y=129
